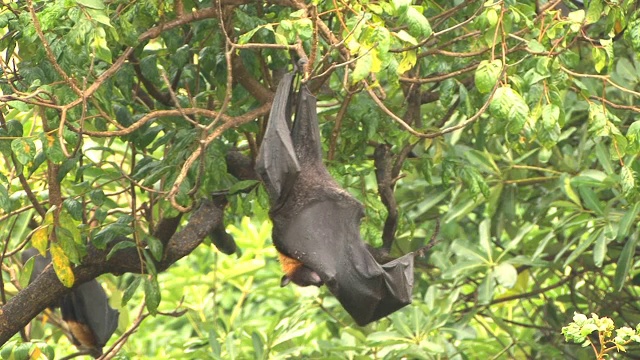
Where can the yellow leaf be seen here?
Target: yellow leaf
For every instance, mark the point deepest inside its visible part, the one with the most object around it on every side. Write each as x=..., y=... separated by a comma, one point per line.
x=40, y=238
x=48, y=217
x=376, y=64
x=36, y=354
x=353, y=45
x=62, y=266
x=408, y=61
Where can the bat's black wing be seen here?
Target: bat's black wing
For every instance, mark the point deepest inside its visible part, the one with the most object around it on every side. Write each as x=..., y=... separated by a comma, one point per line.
x=318, y=223
x=277, y=164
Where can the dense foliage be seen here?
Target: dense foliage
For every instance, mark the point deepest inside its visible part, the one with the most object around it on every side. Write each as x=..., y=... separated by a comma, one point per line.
x=507, y=128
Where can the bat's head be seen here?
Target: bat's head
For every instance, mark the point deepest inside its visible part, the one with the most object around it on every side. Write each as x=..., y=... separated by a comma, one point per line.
x=297, y=273
x=303, y=276
x=84, y=338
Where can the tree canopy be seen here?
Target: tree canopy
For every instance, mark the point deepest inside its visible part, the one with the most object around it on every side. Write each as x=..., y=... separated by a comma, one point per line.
x=503, y=133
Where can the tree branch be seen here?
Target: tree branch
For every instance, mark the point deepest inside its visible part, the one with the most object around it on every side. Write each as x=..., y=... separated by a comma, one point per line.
x=46, y=288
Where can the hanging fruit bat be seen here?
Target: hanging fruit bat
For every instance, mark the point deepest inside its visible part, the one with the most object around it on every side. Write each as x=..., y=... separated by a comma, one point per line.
x=316, y=223
x=85, y=310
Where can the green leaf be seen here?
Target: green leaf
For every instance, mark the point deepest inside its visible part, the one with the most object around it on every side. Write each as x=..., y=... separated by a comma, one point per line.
x=155, y=247
x=244, y=38
x=628, y=220
x=597, y=120
x=401, y=6
x=150, y=263
x=100, y=47
x=124, y=244
x=492, y=16
x=535, y=46
x=594, y=12
x=627, y=180
x=568, y=190
x=484, y=232
x=92, y=4
x=152, y=294
x=214, y=344
x=65, y=240
x=131, y=289
x=487, y=74
x=418, y=24
x=582, y=247
x=600, y=250
x=406, y=37
x=604, y=158
x=24, y=149
x=97, y=197
x=73, y=207
x=633, y=138
x=102, y=18
x=241, y=186
x=591, y=178
x=53, y=151
x=281, y=39
x=5, y=143
x=363, y=67
x=15, y=128
x=486, y=289
x=591, y=200
x=550, y=116
x=149, y=67
x=25, y=274
x=475, y=182
x=109, y=233
x=304, y=28
x=19, y=352
x=625, y=260
x=258, y=345
x=5, y=201
x=507, y=105
x=468, y=251
x=599, y=58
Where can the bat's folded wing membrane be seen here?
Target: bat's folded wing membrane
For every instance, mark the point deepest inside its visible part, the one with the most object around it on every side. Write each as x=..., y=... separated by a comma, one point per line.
x=325, y=236
x=277, y=164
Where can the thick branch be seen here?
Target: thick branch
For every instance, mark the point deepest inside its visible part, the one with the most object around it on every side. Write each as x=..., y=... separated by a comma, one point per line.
x=240, y=166
x=255, y=87
x=382, y=160
x=163, y=98
x=46, y=288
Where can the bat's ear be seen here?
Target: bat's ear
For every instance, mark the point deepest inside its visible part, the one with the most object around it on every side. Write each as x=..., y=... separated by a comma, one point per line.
x=284, y=281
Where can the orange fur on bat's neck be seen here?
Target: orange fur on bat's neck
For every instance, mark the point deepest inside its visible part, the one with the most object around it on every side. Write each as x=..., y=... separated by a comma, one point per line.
x=289, y=265
x=82, y=334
